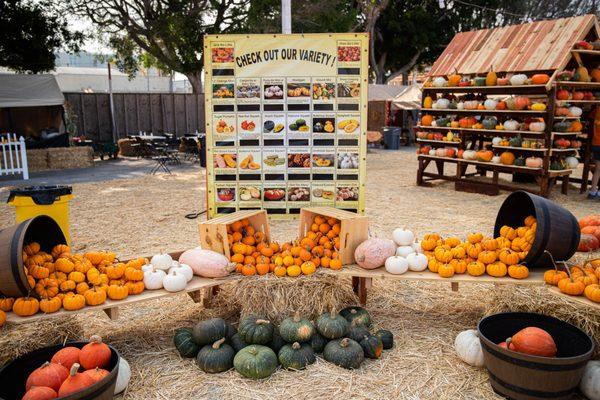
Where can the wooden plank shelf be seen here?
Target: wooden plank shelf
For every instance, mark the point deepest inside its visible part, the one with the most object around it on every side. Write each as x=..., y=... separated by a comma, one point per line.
x=507, y=89
x=496, y=132
x=555, y=151
x=565, y=133
x=563, y=102
x=586, y=52
x=559, y=172
x=580, y=85
x=439, y=142
x=488, y=165
x=542, y=150
x=111, y=307
x=493, y=112
x=578, y=299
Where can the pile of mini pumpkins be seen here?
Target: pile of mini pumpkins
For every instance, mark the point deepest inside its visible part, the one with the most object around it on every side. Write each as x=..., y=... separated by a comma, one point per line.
x=253, y=255
x=491, y=79
x=257, y=346
x=498, y=257
x=577, y=280
x=60, y=279
x=60, y=376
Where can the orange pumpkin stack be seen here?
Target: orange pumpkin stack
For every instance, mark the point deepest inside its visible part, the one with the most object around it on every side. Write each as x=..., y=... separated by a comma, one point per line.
x=61, y=376
x=253, y=255
x=71, y=281
x=577, y=280
x=479, y=255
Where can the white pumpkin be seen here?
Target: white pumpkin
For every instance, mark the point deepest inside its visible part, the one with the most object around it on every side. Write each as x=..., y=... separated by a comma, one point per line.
x=123, y=376
x=441, y=104
x=572, y=162
x=518, y=79
x=153, y=279
x=490, y=104
x=590, y=382
x=469, y=154
x=460, y=105
x=147, y=267
x=184, y=269
x=468, y=347
x=175, y=281
x=496, y=141
x=417, y=247
x=511, y=125
x=496, y=160
x=432, y=152
x=396, y=265
x=404, y=251
x=538, y=126
x=417, y=262
x=403, y=237
x=439, y=82
x=575, y=111
x=161, y=261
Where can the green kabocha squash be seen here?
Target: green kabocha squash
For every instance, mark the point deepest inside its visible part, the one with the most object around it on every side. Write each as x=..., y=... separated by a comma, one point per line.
x=256, y=330
x=345, y=353
x=296, y=356
x=332, y=325
x=489, y=123
x=479, y=81
x=357, y=332
x=231, y=330
x=442, y=122
x=356, y=315
x=318, y=342
x=216, y=357
x=237, y=342
x=184, y=343
x=255, y=362
x=562, y=126
x=209, y=331
x=516, y=141
x=520, y=162
x=372, y=346
x=387, y=338
x=296, y=329
x=277, y=342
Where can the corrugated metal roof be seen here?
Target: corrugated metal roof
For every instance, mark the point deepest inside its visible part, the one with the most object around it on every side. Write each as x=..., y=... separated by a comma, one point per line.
x=536, y=46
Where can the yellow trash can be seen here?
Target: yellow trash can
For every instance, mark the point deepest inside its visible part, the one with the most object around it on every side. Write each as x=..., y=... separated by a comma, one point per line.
x=53, y=201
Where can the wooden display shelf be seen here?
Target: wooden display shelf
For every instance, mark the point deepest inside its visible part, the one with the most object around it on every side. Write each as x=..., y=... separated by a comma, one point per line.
x=578, y=299
x=483, y=131
x=559, y=172
x=111, y=307
x=439, y=142
x=578, y=101
x=554, y=151
x=507, y=89
x=481, y=163
x=543, y=150
x=493, y=112
x=581, y=85
x=565, y=133
x=586, y=52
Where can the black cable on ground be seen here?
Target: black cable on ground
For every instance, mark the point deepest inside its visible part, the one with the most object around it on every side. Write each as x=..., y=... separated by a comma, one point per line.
x=195, y=215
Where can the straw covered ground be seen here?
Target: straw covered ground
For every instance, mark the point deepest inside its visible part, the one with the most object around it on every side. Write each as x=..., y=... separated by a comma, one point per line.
x=140, y=216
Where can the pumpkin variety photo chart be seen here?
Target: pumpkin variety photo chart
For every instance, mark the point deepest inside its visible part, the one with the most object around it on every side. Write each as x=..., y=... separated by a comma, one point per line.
x=286, y=122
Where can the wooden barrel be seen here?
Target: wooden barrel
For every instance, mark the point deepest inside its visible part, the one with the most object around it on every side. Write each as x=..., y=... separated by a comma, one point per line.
x=41, y=229
x=14, y=375
x=524, y=377
x=557, y=229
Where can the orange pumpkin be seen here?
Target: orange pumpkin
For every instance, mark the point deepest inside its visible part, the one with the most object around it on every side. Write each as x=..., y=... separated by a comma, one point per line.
x=484, y=155
x=533, y=341
x=426, y=120
x=95, y=354
x=67, y=356
x=540, y=79
x=507, y=158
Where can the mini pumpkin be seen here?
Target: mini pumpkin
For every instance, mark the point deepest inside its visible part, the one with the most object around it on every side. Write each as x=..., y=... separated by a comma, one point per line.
x=476, y=268
x=73, y=302
x=497, y=269
x=94, y=296
x=487, y=257
x=26, y=306
x=518, y=271
x=50, y=305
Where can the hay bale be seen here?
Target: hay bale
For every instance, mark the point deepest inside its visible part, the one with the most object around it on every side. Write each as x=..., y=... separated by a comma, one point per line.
x=37, y=160
x=70, y=157
x=126, y=149
x=276, y=298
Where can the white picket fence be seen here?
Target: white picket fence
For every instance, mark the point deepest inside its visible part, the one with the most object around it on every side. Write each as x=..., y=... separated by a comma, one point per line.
x=14, y=156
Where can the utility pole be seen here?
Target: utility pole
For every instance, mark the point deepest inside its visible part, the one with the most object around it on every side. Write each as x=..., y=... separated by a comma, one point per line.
x=286, y=16
x=112, y=104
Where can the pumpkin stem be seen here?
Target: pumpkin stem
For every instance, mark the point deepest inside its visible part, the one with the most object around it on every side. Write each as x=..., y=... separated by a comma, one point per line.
x=218, y=343
x=230, y=267
x=552, y=259
x=353, y=311
x=297, y=317
x=344, y=342
x=253, y=351
x=262, y=321
x=296, y=346
x=74, y=369
x=96, y=339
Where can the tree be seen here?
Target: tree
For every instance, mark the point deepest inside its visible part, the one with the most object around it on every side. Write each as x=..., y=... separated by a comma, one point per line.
x=31, y=34
x=169, y=31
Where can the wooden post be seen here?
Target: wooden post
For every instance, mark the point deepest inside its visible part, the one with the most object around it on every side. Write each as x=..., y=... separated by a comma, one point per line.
x=113, y=313
x=454, y=286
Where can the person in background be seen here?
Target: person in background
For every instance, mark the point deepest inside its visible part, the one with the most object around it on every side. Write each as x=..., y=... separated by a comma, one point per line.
x=594, y=192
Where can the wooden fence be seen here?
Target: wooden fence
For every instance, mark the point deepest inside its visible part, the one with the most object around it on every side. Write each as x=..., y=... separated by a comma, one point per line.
x=134, y=112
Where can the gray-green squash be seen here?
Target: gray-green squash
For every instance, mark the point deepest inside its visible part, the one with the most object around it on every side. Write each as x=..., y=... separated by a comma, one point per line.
x=332, y=325
x=255, y=362
x=387, y=338
x=209, y=331
x=356, y=315
x=357, y=332
x=296, y=356
x=372, y=346
x=345, y=353
x=256, y=330
x=318, y=342
x=215, y=358
x=296, y=329
x=184, y=343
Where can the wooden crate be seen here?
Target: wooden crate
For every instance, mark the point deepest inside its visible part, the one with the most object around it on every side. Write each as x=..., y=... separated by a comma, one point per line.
x=213, y=233
x=354, y=228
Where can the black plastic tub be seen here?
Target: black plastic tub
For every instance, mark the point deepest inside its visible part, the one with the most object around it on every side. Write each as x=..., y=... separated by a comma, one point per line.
x=525, y=377
x=14, y=374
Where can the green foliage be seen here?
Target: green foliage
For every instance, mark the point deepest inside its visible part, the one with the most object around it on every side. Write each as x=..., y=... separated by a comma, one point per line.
x=31, y=35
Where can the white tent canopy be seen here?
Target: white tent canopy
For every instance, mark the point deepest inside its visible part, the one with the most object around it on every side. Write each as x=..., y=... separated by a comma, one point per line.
x=384, y=92
x=20, y=90
x=408, y=99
